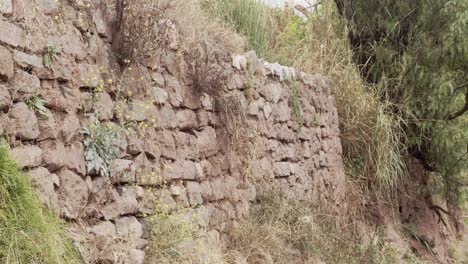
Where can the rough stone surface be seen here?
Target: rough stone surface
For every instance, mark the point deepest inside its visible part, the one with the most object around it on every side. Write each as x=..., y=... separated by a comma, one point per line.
x=5, y=98
x=70, y=183
x=23, y=122
x=46, y=184
x=27, y=156
x=6, y=64
x=11, y=34
x=27, y=61
x=129, y=228
x=6, y=7
x=198, y=137
x=24, y=84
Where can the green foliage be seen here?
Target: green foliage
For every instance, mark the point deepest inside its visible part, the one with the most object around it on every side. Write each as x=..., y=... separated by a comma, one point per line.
x=38, y=104
x=296, y=105
x=28, y=232
x=50, y=55
x=99, y=145
x=417, y=51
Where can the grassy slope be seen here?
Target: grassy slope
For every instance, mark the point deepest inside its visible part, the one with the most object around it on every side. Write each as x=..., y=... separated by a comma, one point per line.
x=28, y=232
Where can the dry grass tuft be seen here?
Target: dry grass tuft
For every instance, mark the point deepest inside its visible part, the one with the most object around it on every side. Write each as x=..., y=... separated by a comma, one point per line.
x=285, y=231
x=145, y=25
x=195, y=26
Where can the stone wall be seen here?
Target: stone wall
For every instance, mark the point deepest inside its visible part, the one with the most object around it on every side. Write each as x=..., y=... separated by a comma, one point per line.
x=202, y=131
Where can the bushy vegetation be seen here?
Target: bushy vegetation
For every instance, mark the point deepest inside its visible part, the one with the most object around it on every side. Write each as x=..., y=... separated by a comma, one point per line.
x=417, y=53
x=280, y=230
x=371, y=132
x=28, y=232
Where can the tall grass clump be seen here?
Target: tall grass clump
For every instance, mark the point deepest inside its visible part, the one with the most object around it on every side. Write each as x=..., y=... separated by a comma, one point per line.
x=248, y=17
x=280, y=230
x=28, y=232
x=371, y=133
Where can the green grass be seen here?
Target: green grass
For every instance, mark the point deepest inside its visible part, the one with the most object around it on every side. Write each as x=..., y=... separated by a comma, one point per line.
x=247, y=17
x=28, y=232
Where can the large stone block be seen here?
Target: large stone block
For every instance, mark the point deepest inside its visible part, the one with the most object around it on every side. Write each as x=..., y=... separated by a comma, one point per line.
x=24, y=85
x=46, y=183
x=27, y=156
x=12, y=35
x=73, y=194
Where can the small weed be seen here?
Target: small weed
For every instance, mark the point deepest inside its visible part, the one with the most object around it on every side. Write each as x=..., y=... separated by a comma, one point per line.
x=50, y=55
x=249, y=85
x=296, y=104
x=38, y=105
x=99, y=146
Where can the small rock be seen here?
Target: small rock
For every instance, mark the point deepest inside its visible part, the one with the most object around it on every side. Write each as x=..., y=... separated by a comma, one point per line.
x=105, y=228
x=27, y=156
x=123, y=170
x=194, y=193
x=70, y=127
x=282, y=169
x=5, y=98
x=128, y=228
x=103, y=19
x=6, y=7
x=105, y=106
x=6, y=63
x=272, y=92
x=27, y=61
x=48, y=6
x=24, y=84
x=160, y=96
x=207, y=102
x=239, y=62
x=46, y=183
x=23, y=122
x=177, y=190
x=12, y=34
x=180, y=169
x=56, y=155
x=158, y=78
x=71, y=183
x=186, y=119
x=72, y=43
x=124, y=204
x=267, y=110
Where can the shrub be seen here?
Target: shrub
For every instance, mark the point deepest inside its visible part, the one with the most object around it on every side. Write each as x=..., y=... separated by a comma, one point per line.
x=99, y=146
x=417, y=52
x=28, y=232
